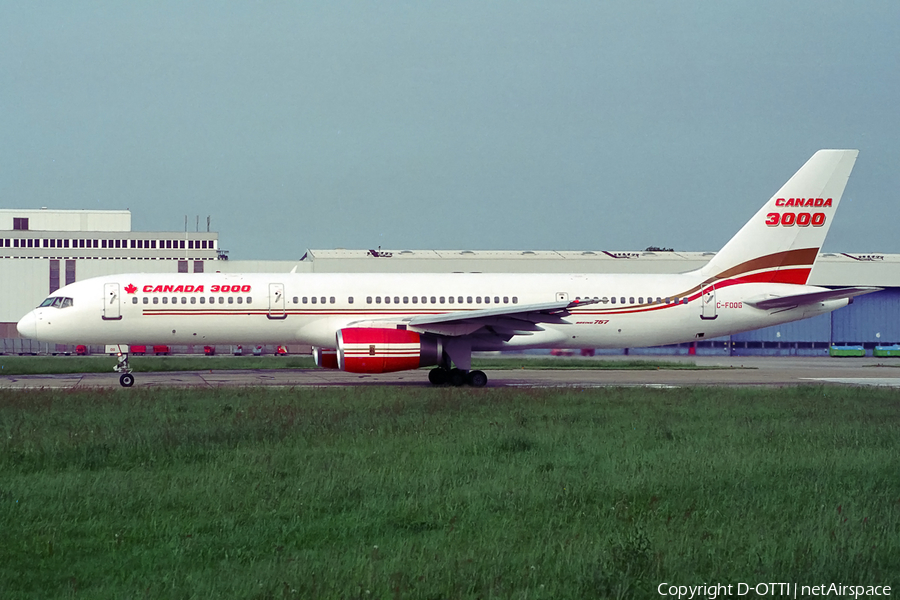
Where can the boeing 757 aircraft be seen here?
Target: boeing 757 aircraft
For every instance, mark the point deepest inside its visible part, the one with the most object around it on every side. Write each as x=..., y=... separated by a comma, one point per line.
x=379, y=322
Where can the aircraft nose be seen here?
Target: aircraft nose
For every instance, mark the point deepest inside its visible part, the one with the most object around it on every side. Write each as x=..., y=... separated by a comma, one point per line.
x=27, y=326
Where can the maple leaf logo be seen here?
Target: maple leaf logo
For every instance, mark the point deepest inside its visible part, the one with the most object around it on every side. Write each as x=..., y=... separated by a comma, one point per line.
x=130, y=288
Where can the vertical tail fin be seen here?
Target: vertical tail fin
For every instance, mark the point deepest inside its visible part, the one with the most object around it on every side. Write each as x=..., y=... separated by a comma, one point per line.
x=780, y=243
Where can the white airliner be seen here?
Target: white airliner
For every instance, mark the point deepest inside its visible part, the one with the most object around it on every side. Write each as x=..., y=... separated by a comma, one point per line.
x=379, y=322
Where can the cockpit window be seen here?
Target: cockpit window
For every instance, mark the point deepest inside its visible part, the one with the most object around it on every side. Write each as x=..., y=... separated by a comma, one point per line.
x=57, y=302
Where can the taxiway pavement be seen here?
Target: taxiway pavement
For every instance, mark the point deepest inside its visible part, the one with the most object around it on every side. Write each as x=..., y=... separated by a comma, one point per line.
x=732, y=371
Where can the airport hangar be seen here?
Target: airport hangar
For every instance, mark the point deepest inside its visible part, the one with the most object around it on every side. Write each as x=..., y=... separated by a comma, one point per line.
x=43, y=250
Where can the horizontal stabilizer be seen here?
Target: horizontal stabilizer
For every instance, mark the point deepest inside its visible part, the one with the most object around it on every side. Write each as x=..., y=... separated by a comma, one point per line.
x=769, y=301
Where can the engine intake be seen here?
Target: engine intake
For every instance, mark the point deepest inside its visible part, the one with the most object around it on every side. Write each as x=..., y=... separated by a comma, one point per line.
x=371, y=350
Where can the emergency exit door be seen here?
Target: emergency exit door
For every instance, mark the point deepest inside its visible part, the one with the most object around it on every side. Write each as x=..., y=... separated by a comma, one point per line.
x=112, y=310
x=276, y=301
x=708, y=304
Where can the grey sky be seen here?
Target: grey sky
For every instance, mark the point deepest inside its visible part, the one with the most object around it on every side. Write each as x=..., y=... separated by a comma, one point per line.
x=480, y=125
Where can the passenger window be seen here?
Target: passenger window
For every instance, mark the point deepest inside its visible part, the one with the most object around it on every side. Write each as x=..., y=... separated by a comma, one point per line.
x=165, y=300
x=350, y=300
x=239, y=300
x=174, y=300
x=613, y=300
x=331, y=300
x=468, y=299
x=249, y=299
x=387, y=299
x=193, y=299
x=496, y=299
x=305, y=299
x=377, y=299
x=230, y=299
x=415, y=299
x=433, y=300
x=505, y=299
x=313, y=299
x=202, y=299
x=667, y=300
x=442, y=300
x=424, y=300
x=631, y=300
x=622, y=300
x=459, y=300
x=322, y=299
x=515, y=299
x=155, y=300
x=368, y=299
x=684, y=300
x=450, y=299
x=640, y=300
x=396, y=299
x=405, y=299
x=147, y=300
x=296, y=300
x=184, y=299
x=221, y=300
x=134, y=300
x=487, y=299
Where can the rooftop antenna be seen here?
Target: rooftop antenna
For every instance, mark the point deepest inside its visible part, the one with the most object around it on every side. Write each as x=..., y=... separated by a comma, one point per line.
x=207, y=223
x=198, y=223
x=185, y=223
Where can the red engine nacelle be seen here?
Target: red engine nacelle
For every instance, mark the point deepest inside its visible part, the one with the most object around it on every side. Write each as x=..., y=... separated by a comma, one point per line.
x=326, y=358
x=370, y=350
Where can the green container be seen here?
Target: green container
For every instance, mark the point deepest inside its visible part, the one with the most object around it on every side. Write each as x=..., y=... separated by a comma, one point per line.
x=887, y=351
x=846, y=351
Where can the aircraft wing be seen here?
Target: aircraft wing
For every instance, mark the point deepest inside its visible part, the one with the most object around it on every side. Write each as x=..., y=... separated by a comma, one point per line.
x=505, y=321
x=767, y=302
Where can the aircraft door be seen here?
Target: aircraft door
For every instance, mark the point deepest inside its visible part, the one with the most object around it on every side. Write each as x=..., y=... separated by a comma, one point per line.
x=112, y=310
x=276, y=301
x=708, y=304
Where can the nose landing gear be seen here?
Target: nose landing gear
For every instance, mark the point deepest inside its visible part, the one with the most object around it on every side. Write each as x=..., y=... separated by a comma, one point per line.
x=126, y=379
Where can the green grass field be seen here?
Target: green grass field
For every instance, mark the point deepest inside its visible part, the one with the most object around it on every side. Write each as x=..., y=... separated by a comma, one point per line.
x=444, y=493
x=44, y=365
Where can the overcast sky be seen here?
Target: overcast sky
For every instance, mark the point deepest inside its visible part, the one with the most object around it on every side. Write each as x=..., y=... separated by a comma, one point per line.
x=470, y=125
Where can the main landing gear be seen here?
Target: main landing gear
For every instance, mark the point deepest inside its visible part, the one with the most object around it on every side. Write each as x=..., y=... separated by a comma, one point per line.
x=457, y=377
x=126, y=379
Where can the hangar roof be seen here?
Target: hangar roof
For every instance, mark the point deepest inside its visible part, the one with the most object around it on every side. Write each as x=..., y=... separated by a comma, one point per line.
x=832, y=269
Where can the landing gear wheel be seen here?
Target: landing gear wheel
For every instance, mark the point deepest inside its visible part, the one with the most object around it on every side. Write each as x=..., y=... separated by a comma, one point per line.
x=457, y=377
x=438, y=376
x=476, y=379
x=126, y=379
